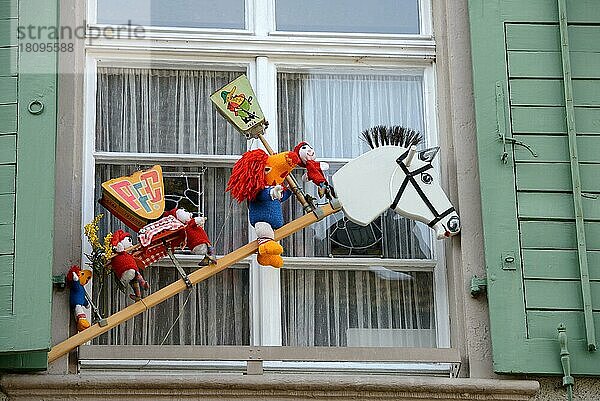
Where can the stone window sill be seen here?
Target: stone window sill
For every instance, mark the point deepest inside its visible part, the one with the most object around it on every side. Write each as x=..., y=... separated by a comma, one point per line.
x=264, y=387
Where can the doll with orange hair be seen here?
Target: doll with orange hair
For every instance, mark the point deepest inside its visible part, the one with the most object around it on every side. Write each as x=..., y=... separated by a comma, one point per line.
x=258, y=178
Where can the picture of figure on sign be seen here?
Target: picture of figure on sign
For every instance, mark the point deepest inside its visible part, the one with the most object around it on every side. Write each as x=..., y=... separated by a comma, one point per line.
x=239, y=104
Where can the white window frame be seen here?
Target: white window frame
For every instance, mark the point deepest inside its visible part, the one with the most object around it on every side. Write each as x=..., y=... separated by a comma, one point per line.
x=263, y=51
x=260, y=21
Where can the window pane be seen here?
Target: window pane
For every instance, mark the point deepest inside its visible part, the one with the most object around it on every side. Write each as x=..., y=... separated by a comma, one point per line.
x=378, y=16
x=329, y=111
x=179, y=13
x=339, y=308
x=163, y=111
x=216, y=312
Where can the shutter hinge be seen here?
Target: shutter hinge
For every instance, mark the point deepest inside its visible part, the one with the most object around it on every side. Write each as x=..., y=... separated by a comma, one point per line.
x=478, y=286
x=59, y=281
x=565, y=360
x=502, y=126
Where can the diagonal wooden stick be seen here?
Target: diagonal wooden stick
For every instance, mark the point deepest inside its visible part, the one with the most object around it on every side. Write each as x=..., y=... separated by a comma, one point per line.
x=179, y=286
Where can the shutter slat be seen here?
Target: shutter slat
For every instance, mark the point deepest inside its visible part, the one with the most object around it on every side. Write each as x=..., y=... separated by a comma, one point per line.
x=557, y=264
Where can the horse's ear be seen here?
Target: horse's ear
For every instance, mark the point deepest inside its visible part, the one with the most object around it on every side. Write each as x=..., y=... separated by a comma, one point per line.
x=428, y=155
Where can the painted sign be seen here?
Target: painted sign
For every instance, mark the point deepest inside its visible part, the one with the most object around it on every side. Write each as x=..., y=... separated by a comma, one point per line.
x=136, y=199
x=237, y=102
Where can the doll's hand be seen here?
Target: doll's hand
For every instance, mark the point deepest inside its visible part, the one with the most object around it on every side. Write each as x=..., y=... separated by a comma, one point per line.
x=324, y=166
x=277, y=192
x=200, y=221
x=305, y=177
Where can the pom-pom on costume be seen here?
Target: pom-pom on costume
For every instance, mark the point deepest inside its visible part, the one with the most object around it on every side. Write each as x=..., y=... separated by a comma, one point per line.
x=125, y=266
x=76, y=279
x=196, y=238
x=257, y=178
x=314, y=168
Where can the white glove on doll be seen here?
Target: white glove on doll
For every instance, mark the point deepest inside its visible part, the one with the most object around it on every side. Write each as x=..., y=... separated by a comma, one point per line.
x=276, y=192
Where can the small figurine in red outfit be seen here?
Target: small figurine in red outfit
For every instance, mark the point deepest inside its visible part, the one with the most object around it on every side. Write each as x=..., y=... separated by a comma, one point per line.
x=124, y=266
x=314, y=169
x=197, y=239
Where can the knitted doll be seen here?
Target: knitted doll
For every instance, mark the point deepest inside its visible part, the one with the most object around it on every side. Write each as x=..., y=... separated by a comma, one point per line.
x=124, y=265
x=76, y=279
x=196, y=238
x=314, y=169
x=257, y=178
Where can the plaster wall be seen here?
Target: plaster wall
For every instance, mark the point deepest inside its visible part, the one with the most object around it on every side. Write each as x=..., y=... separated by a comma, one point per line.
x=69, y=145
x=457, y=128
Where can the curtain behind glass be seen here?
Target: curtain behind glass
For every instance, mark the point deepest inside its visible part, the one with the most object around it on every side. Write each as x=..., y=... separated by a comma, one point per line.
x=376, y=307
x=169, y=111
x=329, y=111
x=217, y=312
x=163, y=111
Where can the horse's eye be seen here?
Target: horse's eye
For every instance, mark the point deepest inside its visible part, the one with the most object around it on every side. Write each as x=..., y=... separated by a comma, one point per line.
x=426, y=178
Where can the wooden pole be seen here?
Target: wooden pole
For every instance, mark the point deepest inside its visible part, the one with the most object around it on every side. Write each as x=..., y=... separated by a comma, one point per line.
x=179, y=286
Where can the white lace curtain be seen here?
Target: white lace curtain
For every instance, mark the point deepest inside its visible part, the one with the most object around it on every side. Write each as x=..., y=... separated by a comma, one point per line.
x=163, y=111
x=329, y=111
x=376, y=307
x=169, y=111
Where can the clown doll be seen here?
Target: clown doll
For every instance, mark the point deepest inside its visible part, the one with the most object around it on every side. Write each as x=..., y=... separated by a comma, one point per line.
x=258, y=178
x=314, y=169
x=124, y=265
x=196, y=238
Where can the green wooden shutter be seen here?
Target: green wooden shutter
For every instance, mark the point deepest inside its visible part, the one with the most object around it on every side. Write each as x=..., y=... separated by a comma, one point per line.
x=27, y=146
x=531, y=241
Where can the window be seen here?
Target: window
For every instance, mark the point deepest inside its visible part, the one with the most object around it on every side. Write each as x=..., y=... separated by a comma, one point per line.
x=342, y=285
x=224, y=14
x=381, y=16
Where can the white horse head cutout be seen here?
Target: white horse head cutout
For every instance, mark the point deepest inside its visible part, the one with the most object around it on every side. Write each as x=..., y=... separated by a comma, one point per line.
x=395, y=175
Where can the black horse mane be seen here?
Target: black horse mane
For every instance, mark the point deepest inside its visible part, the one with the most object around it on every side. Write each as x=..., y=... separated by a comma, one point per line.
x=396, y=135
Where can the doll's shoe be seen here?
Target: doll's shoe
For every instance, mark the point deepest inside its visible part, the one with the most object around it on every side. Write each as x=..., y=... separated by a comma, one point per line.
x=134, y=297
x=82, y=324
x=207, y=260
x=270, y=260
x=270, y=248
